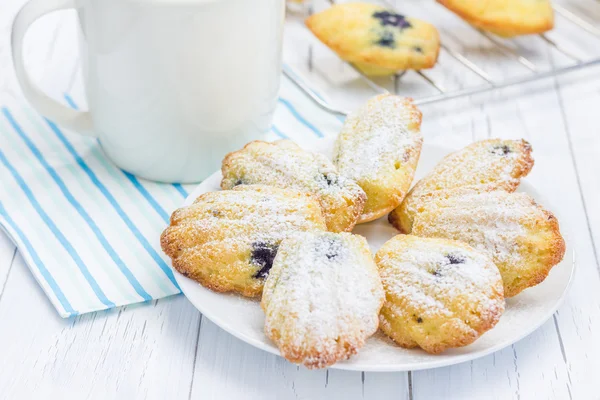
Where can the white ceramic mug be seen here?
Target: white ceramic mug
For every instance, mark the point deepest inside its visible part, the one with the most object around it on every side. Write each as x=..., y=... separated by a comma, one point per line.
x=172, y=85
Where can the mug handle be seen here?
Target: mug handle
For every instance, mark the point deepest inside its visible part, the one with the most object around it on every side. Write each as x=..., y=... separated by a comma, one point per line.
x=77, y=120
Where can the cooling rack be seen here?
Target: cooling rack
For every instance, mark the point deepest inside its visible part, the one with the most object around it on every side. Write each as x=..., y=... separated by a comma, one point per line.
x=574, y=26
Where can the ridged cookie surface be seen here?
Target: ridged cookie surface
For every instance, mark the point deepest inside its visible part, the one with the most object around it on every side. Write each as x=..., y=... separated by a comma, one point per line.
x=492, y=164
x=379, y=147
x=505, y=18
x=521, y=237
x=439, y=293
x=322, y=298
x=227, y=240
x=284, y=164
x=377, y=40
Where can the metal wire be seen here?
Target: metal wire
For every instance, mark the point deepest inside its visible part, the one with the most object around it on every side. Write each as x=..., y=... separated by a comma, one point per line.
x=369, y=81
x=580, y=22
x=293, y=75
x=467, y=63
x=432, y=82
x=505, y=84
x=508, y=51
x=490, y=83
x=560, y=48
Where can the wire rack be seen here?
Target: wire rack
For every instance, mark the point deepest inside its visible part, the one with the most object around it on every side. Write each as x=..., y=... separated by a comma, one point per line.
x=486, y=81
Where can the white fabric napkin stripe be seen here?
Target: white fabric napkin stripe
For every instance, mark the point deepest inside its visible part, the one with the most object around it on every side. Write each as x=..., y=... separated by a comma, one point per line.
x=89, y=231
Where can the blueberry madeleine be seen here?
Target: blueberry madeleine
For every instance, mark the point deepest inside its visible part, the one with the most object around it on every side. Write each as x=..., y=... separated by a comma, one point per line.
x=284, y=164
x=376, y=40
x=520, y=236
x=439, y=293
x=227, y=240
x=322, y=298
x=379, y=147
x=483, y=166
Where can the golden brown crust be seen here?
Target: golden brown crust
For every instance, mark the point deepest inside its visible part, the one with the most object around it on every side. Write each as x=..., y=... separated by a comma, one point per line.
x=522, y=238
x=225, y=240
x=481, y=166
x=284, y=164
x=352, y=31
x=430, y=302
x=315, y=359
x=549, y=253
x=322, y=298
x=505, y=18
x=379, y=147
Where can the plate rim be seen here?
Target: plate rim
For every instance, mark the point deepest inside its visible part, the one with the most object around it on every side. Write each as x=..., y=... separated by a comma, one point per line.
x=570, y=257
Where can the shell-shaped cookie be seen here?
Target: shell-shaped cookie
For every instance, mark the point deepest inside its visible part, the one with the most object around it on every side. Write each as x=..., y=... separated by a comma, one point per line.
x=322, y=298
x=377, y=40
x=439, y=293
x=379, y=147
x=227, y=240
x=505, y=18
x=284, y=164
x=492, y=164
x=522, y=238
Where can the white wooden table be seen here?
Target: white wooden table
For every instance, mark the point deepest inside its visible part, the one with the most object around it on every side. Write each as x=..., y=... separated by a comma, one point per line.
x=167, y=350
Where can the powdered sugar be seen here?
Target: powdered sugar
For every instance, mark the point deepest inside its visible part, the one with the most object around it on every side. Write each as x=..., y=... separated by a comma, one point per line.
x=438, y=278
x=283, y=164
x=323, y=295
x=500, y=163
x=489, y=221
x=227, y=240
x=251, y=213
x=378, y=139
x=244, y=318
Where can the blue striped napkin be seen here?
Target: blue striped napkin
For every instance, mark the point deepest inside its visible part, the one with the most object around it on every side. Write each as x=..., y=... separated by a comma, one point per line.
x=89, y=231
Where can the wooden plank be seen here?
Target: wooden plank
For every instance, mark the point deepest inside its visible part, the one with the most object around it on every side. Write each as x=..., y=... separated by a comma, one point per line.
x=227, y=368
x=143, y=351
x=533, y=367
x=579, y=320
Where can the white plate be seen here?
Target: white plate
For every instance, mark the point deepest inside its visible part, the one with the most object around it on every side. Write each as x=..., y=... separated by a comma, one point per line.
x=524, y=313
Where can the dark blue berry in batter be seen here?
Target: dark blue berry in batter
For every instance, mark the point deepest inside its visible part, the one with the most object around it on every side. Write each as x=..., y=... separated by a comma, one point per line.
x=262, y=255
x=386, y=40
x=387, y=18
x=331, y=252
x=331, y=179
x=455, y=258
x=501, y=150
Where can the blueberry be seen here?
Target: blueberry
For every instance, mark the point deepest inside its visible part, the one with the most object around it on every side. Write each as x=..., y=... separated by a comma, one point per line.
x=238, y=182
x=386, y=40
x=331, y=179
x=331, y=251
x=501, y=150
x=387, y=18
x=262, y=255
x=455, y=258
